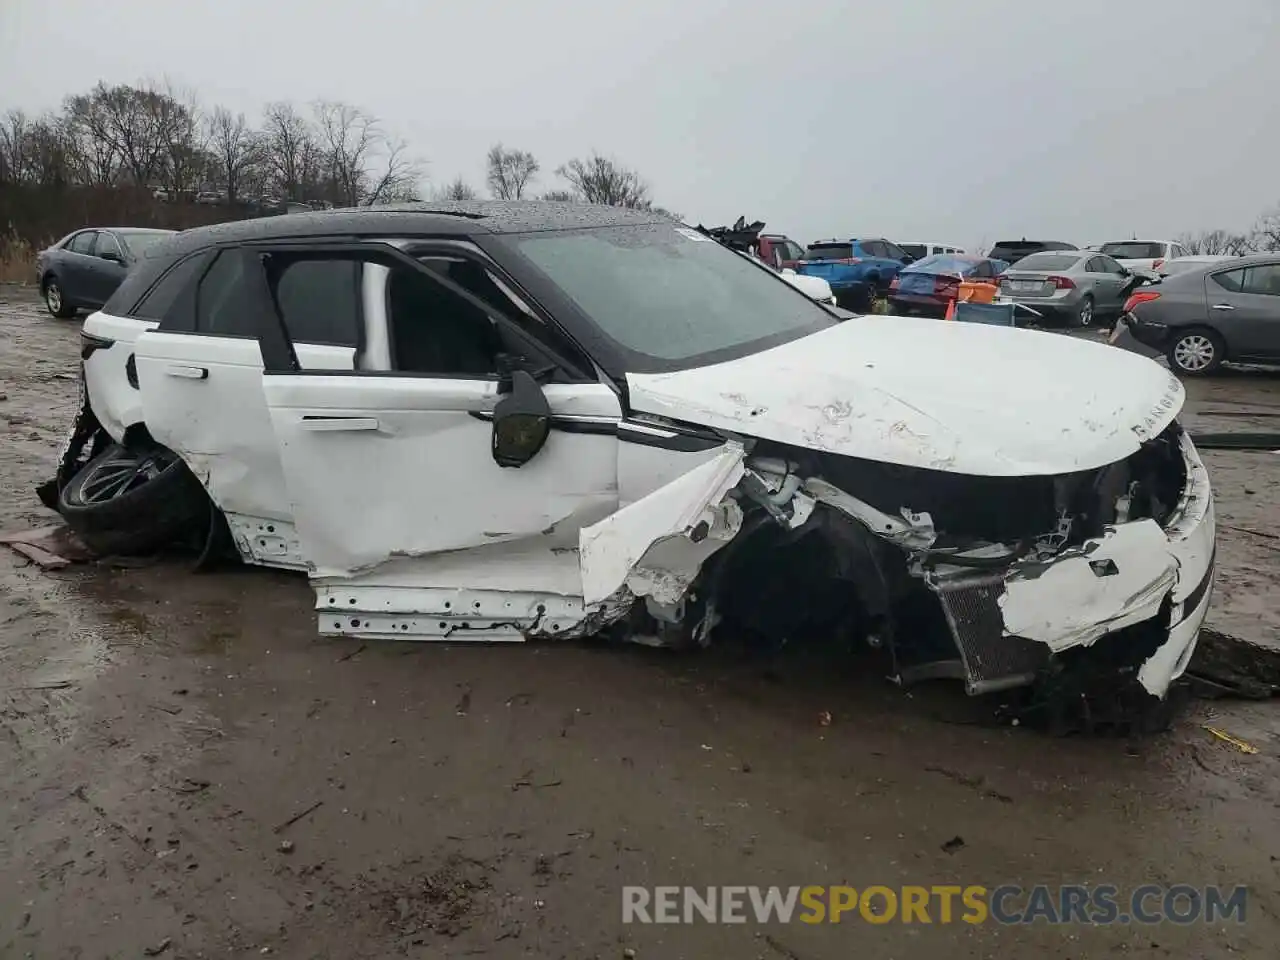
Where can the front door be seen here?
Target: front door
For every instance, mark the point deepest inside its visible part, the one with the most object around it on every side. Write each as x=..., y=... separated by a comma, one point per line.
x=1245, y=302
x=407, y=524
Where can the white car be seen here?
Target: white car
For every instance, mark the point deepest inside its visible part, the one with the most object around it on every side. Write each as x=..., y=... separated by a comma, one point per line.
x=1179, y=264
x=919, y=249
x=500, y=421
x=814, y=287
x=1143, y=256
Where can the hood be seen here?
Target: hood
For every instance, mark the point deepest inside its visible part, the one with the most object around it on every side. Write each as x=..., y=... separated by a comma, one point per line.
x=966, y=398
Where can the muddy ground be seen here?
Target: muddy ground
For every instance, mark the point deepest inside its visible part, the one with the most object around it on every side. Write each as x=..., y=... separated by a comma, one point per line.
x=159, y=729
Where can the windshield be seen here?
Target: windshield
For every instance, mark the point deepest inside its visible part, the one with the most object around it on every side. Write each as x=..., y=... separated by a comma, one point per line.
x=1134, y=250
x=670, y=294
x=943, y=263
x=1048, y=261
x=140, y=243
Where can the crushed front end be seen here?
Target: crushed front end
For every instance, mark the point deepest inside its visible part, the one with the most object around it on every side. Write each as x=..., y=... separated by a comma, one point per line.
x=1080, y=585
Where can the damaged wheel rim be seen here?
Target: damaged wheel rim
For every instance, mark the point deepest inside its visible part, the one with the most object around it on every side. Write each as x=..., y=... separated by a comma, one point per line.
x=1194, y=352
x=117, y=477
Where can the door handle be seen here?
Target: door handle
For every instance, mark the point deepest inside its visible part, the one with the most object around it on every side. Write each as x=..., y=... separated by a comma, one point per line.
x=338, y=424
x=187, y=373
x=1223, y=306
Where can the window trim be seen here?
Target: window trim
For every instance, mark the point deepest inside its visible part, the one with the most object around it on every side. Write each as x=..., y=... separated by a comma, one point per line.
x=113, y=238
x=93, y=242
x=381, y=250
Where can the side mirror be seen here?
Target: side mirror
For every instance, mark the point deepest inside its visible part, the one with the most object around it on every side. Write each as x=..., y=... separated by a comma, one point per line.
x=521, y=422
x=111, y=255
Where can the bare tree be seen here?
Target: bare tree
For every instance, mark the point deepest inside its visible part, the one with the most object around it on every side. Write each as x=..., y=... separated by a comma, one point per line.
x=15, y=141
x=94, y=155
x=184, y=140
x=397, y=176
x=1266, y=233
x=510, y=172
x=1215, y=243
x=458, y=189
x=290, y=150
x=347, y=137
x=600, y=179
x=235, y=148
x=561, y=196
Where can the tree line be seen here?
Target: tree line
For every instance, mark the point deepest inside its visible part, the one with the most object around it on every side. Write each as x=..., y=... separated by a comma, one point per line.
x=162, y=139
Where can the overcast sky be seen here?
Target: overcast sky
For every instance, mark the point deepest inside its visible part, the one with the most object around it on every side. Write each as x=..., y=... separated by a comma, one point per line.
x=1086, y=120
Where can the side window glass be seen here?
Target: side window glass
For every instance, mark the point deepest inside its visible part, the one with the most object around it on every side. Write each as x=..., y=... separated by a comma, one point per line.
x=794, y=252
x=107, y=245
x=1263, y=279
x=156, y=302
x=320, y=301
x=436, y=332
x=1094, y=265
x=894, y=251
x=983, y=270
x=873, y=248
x=82, y=243
x=1232, y=280
x=224, y=302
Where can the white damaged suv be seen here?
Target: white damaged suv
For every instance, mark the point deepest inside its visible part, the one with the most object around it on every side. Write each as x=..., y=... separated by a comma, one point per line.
x=498, y=421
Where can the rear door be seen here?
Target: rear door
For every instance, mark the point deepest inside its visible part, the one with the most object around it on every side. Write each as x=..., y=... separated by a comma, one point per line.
x=1244, y=304
x=200, y=376
x=407, y=524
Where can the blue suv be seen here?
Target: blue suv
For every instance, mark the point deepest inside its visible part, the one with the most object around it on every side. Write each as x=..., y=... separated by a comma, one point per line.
x=857, y=270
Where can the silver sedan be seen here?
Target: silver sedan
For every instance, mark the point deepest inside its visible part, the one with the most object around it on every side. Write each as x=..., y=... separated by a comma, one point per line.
x=1078, y=287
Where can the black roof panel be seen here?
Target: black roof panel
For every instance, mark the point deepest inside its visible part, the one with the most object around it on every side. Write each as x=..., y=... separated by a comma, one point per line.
x=411, y=219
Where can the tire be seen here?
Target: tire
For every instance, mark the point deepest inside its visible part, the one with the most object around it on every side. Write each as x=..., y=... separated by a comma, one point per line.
x=1196, y=352
x=1084, y=315
x=55, y=299
x=132, y=500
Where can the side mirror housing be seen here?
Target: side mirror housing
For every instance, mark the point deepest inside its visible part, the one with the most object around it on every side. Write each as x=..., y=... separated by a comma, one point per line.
x=521, y=422
x=112, y=256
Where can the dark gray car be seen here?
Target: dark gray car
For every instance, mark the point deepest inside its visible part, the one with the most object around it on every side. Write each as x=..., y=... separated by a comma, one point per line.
x=1076, y=287
x=1222, y=311
x=83, y=269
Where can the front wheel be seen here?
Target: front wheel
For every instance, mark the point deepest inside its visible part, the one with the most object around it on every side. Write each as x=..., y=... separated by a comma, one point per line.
x=55, y=300
x=1196, y=352
x=131, y=500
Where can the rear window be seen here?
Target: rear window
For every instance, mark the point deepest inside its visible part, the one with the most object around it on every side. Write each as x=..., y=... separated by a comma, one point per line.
x=916, y=250
x=944, y=263
x=1048, y=261
x=140, y=243
x=1182, y=266
x=1134, y=250
x=829, y=251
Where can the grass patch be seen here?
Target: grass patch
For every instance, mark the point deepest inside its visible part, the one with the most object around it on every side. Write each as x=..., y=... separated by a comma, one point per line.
x=17, y=259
